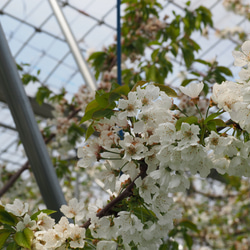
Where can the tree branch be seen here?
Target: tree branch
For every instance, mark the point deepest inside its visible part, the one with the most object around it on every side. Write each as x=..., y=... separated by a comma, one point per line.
x=107, y=210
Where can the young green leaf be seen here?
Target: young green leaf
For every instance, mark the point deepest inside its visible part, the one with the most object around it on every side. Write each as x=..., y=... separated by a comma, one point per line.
x=212, y=116
x=24, y=238
x=190, y=120
x=188, y=224
x=189, y=240
x=102, y=113
x=46, y=211
x=169, y=91
x=4, y=235
x=12, y=246
x=7, y=218
x=89, y=131
x=140, y=83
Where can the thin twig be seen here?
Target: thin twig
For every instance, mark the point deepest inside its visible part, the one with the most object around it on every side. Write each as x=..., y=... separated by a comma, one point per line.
x=15, y=176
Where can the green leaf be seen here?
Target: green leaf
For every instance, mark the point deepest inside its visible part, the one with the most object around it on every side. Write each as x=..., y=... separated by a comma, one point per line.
x=89, y=131
x=42, y=93
x=189, y=120
x=203, y=62
x=46, y=211
x=102, y=99
x=140, y=83
x=4, y=235
x=102, y=113
x=87, y=116
x=169, y=91
x=154, y=54
x=174, y=49
x=188, y=224
x=211, y=126
x=122, y=90
x=144, y=214
x=115, y=85
x=187, y=81
x=92, y=105
x=225, y=70
x=170, y=245
x=19, y=67
x=7, y=218
x=24, y=238
x=212, y=116
x=12, y=246
x=96, y=55
x=151, y=73
x=188, y=56
x=154, y=43
x=27, y=78
x=173, y=232
x=90, y=109
x=220, y=123
x=113, y=97
x=189, y=241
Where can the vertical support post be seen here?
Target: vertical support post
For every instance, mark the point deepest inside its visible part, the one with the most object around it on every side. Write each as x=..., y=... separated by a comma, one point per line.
x=27, y=127
x=82, y=64
x=119, y=71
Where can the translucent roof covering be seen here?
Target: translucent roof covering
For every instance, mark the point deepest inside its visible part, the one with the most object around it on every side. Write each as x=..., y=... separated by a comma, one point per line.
x=35, y=38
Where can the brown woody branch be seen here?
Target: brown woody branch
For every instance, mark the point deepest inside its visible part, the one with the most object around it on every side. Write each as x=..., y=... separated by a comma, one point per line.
x=107, y=210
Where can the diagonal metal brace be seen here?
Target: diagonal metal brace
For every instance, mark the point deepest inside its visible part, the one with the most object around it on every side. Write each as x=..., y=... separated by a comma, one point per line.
x=19, y=105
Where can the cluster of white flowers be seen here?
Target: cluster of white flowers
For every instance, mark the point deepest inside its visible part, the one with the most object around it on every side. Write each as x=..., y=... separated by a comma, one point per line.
x=234, y=97
x=46, y=233
x=230, y=32
x=240, y=7
x=142, y=136
x=147, y=151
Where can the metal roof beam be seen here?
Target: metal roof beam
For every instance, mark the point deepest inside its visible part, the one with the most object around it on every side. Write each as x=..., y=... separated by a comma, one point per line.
x=82, y=64
x=44, y=110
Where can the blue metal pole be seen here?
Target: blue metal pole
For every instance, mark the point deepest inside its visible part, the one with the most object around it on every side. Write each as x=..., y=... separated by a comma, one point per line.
x=29, y=133
x=119, y=53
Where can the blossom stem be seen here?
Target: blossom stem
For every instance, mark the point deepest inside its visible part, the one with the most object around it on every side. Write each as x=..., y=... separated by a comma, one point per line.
x=207, y=111
x=198, y=110
x=176, y=107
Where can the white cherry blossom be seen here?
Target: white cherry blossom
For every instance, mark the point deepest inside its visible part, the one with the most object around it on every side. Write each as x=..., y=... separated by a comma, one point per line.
x=188, y=135
x=106, y=245
x=75, y=209
x=18, y=208
x=45, y=222
x=242, y=57
x=27, y=222
x=193, y=89
x=226, y=94
x=77, y=236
